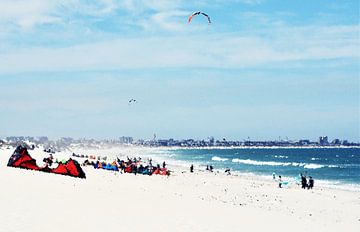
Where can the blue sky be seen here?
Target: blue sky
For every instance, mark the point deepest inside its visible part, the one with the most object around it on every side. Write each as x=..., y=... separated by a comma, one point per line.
x=262, y=69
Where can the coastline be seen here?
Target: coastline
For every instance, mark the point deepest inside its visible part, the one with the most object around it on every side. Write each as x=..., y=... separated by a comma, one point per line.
x=184, y=201
x=255, y=147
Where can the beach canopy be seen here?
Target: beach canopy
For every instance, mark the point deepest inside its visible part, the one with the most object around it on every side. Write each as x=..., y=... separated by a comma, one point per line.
x=22, y=159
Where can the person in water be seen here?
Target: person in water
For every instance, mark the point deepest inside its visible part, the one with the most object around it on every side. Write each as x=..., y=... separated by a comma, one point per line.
x=311, y=183
x=274, y=175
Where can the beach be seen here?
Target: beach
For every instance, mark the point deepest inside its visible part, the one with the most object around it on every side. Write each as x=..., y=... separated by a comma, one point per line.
x=183, y=201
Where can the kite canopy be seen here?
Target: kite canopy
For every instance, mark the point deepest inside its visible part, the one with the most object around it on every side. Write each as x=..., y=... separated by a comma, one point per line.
x=198, y=13
x=21, y=159
x=70, y=168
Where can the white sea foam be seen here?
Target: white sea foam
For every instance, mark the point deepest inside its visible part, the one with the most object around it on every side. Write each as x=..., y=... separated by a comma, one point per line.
x=313, y=166
x=216, y=158
x=273, y=163
x=254, y=162
x=281, y=156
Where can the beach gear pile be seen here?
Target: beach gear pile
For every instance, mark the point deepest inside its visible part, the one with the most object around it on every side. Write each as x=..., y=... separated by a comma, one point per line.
x=22, y=159
x=129, y=166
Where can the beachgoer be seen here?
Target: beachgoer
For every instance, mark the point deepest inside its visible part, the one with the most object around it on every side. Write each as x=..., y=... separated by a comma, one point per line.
x=49, y=160
x=207, y=167
x=164, y=164
x=228, y=171
x=211, y=168
x=280, y=182
x=192, y=168
x=303, y=181
x=311, y=183
x=274, y=175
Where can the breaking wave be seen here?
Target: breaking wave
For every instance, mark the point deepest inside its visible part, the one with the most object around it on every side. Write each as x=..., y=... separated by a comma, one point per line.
x=216, y=158
x=273, y=163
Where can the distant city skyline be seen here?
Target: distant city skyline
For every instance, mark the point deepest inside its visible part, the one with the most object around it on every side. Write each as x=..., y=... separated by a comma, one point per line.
x=262, y=69
x=130, y=139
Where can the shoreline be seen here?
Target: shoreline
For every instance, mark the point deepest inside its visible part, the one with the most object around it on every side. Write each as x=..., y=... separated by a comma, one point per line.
x=183, y=201
x=146, y=152
x=256, y=147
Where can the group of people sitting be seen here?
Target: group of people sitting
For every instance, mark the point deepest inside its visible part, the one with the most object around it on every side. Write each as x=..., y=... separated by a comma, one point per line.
x=91, y=157
x=134, y=165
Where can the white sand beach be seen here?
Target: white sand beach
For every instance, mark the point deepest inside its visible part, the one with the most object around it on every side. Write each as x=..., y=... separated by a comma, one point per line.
x=184, y=201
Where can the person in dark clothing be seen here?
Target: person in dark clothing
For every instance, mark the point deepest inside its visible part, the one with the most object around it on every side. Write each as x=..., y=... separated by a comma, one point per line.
x=192, y=168
x=311, y=183
x=134, y=169
x=164, y=164
x=49, y=160
x=280, y=182
x=211, y=168
x=303, y=182
x=207, y=167
x=228, y=171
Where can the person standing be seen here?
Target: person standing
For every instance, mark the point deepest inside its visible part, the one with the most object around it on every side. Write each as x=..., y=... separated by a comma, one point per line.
x=311, y=183
x=303, y=181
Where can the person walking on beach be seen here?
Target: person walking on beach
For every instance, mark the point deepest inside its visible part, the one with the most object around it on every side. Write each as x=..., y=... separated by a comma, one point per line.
x=303, y=181
x=280, y=182
x=164, y=164
x=311, y=183
x=192, y=168
x=211, y=168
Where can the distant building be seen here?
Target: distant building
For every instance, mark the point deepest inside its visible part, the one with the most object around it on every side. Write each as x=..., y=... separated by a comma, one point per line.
x=43, y=139
x=336, y=142
x=323, y=141
x=126, y=140
x=304, y=142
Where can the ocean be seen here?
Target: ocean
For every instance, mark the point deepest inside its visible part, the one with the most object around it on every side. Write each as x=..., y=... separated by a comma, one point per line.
x=338, y=166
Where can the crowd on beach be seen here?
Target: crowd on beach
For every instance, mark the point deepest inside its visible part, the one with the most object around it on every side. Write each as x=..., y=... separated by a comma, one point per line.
x=136, y=165
x=133, y=165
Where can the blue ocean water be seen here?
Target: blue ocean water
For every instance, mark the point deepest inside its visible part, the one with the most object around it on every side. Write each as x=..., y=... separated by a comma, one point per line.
x=333, y=164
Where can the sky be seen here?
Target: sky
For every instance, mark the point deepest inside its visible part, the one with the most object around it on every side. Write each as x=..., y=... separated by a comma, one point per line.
x=263, y=69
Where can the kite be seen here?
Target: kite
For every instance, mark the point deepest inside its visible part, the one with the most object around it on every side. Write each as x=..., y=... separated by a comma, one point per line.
x=198, y=13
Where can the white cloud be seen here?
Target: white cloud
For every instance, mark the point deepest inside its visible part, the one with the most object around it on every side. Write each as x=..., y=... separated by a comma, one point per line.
x=217, y=51
x=26, y=13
